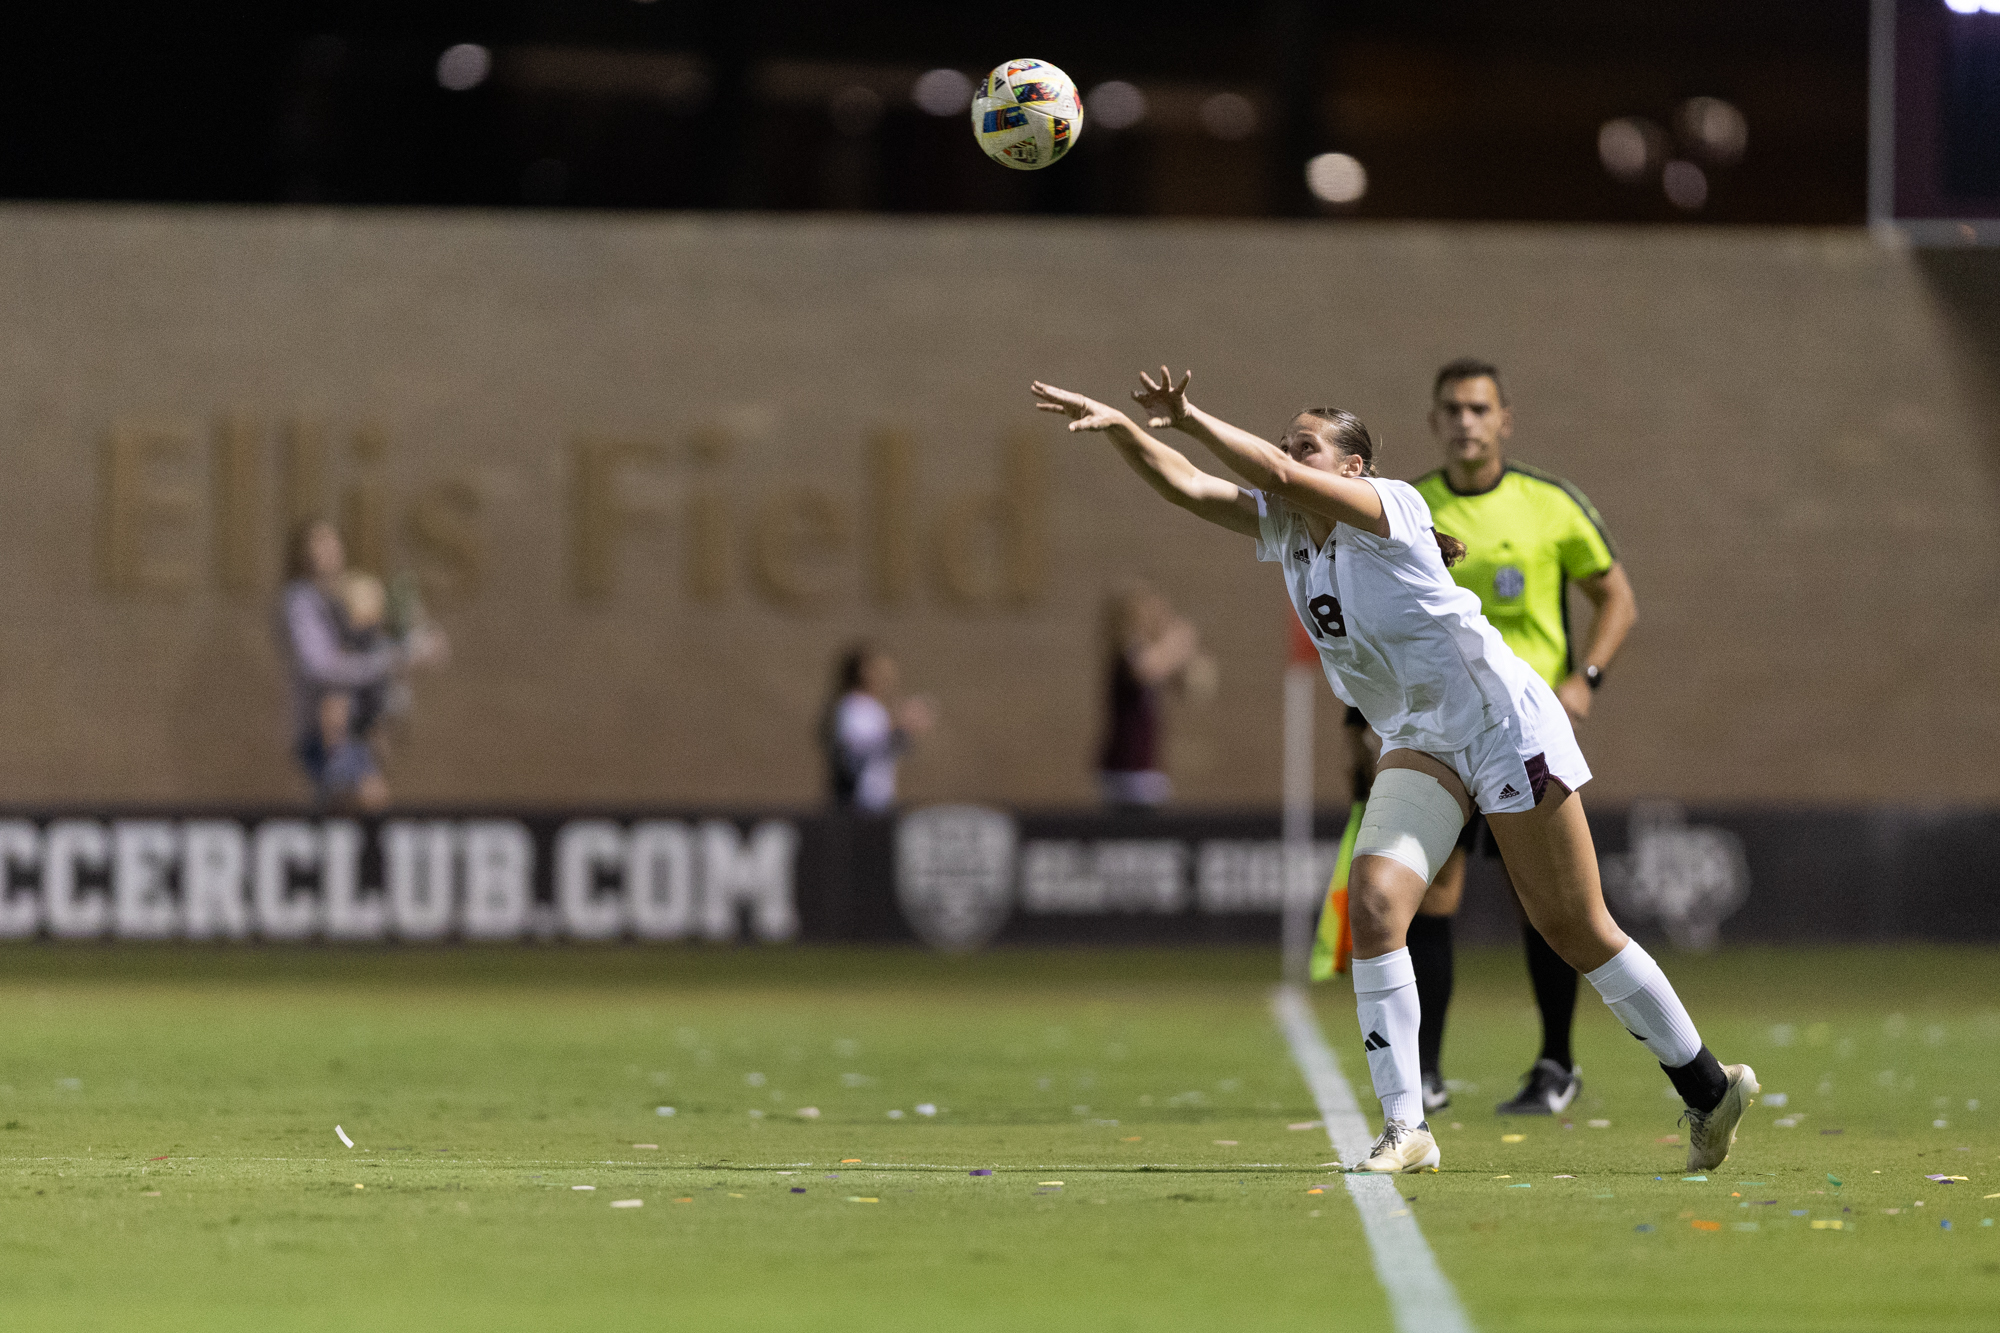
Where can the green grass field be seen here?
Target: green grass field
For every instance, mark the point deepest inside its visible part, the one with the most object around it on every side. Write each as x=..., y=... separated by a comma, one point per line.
x=170, y=1159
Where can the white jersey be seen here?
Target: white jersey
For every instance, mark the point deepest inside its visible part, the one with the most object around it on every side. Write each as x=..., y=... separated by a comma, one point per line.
x=1398, y=639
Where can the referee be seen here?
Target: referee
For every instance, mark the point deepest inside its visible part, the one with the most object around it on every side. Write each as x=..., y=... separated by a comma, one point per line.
x=1528, y=537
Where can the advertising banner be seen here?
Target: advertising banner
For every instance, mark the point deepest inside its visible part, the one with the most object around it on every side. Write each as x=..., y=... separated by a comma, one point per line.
x=954, y=877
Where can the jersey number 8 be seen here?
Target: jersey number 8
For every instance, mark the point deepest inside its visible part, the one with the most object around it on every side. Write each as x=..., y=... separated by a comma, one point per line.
x=1326, y=614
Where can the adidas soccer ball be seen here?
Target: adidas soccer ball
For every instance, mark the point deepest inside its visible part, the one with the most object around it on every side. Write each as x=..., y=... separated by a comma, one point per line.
x=1027, y=114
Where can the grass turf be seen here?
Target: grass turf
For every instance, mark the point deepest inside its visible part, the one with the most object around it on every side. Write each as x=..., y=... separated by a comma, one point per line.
x=169, y=1155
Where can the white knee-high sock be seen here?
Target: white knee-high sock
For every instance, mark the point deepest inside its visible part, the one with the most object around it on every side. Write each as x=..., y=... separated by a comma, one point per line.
x=1385, y=998
x=1635, y=988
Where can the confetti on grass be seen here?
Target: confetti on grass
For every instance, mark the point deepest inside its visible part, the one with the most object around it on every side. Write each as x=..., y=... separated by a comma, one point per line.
x=1706, y=1226
x=981, y=1171
x=343, y=1136
x=628, y=1203
x=856, y=1198
x=1945, y=1180
x=583, y=1187
x=1513, y=1138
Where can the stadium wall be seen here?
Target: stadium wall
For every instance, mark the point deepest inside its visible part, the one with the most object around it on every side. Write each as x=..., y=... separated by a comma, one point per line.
x=654, y=471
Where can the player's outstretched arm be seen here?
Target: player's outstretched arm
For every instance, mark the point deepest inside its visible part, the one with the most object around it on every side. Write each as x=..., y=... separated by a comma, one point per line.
x=1166, y=470
x=1263, y=464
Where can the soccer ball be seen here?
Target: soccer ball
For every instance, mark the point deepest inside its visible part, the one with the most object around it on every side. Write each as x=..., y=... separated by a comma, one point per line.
x=1026, y=114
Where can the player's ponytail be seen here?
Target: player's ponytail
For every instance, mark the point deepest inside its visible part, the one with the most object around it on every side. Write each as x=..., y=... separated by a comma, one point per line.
x=1346, y=433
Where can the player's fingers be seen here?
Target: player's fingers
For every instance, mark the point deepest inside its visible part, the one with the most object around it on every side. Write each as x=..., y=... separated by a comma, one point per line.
x=1146, y=380
x=1157, y=422
x=1049, y=407
x=1186, y=380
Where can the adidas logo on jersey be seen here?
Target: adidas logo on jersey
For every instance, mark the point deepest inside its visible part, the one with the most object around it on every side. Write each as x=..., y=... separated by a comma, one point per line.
x=1376, y=1042
x=1507, y=792
x=1302, y=554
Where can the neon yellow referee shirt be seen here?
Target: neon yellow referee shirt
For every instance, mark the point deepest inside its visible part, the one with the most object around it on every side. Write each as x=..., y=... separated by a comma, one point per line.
x=1525, y=540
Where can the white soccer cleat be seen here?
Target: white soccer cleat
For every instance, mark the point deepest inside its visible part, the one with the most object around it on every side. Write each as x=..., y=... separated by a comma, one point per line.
x=1712, y=1133
x=1400, y=1151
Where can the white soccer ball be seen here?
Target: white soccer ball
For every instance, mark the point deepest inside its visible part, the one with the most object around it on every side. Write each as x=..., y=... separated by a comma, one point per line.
x=1026, y=114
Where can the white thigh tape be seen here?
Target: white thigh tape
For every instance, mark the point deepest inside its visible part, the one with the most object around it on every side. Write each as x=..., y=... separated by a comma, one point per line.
x=1411, y=819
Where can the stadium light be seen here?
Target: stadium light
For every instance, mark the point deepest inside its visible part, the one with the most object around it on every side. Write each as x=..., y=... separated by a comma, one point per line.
x=1116, y=105
x=464, y=67
x=942, y=92
x=1336, y=178
x=1686, y=185
x=1973, y=6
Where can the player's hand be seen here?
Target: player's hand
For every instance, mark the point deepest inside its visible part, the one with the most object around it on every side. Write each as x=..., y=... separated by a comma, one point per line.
x=1575, y=695
x=1083, y=413
x=1165, y=403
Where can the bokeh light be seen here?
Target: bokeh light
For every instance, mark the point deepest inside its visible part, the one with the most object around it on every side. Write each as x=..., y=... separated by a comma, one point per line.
x=1228, y=116
x=1116, y=105
x=1630, y=146
x=1336, y=178
x=1686, y=185
x=464, y=67
x=941, y=92
x=1714, y=128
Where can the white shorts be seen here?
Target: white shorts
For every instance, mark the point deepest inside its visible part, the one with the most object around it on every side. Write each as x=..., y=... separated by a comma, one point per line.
x=1508, y=767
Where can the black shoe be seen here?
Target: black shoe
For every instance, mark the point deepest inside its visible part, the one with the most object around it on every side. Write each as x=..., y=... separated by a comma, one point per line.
x=1547, y=1089
x=1436, y=1096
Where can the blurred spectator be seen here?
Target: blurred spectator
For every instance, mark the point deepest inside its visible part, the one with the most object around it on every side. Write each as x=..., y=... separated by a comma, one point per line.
x=1151, y=648
x=866, y=728
x=344, y=666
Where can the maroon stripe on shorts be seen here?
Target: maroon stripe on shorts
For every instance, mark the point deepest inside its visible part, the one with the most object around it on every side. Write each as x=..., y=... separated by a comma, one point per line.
x=1538, y=776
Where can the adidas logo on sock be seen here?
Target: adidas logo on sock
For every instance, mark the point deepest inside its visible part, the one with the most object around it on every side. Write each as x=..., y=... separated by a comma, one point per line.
x=1508, y=793
x=1376, y=1042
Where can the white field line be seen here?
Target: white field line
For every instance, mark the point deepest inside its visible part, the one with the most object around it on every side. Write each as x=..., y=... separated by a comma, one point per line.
x=1420, y=1295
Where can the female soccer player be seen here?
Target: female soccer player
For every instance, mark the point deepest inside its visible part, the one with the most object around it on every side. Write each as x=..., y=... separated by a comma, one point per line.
x=1464, y=724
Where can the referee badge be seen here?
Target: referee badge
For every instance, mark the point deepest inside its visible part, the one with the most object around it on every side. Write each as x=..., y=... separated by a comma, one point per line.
x=1509, y=582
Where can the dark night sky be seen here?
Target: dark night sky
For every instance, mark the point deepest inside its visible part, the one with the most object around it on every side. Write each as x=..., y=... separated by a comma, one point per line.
x=1459, y=110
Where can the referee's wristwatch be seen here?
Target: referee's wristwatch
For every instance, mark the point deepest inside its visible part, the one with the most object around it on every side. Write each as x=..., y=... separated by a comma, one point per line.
x=1594, y=675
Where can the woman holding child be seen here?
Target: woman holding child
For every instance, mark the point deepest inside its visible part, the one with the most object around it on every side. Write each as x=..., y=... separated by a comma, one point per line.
x=344, y=665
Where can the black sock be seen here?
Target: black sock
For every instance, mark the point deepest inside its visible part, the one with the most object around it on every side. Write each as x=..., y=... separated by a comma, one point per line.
x=1429, y=939
x=1555, y=995
x=1700, y=1082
